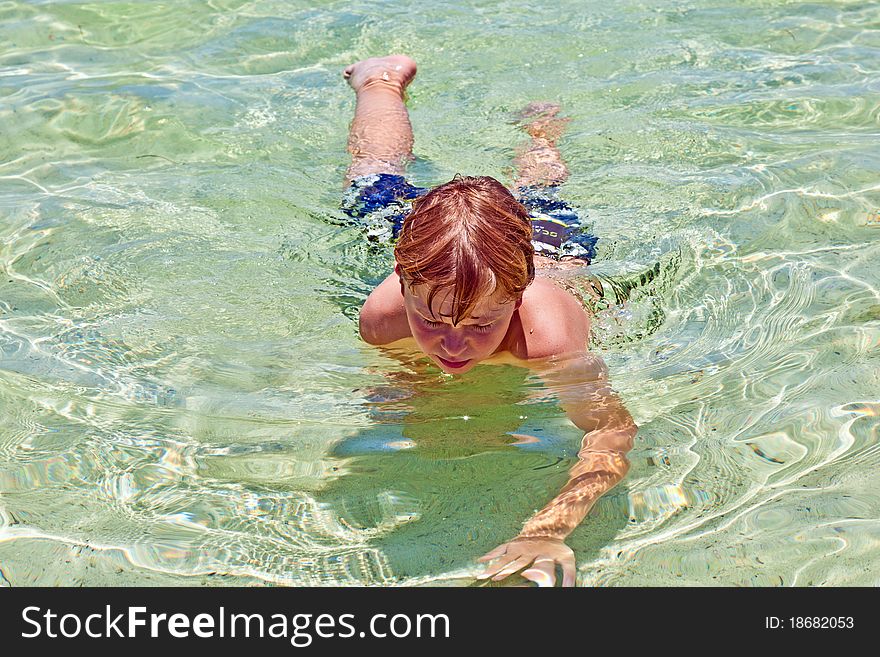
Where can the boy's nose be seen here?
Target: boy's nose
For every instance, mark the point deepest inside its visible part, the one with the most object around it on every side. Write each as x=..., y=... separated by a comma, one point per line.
x=453, y=344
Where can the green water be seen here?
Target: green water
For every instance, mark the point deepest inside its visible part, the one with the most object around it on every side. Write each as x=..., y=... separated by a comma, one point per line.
x=183, y=395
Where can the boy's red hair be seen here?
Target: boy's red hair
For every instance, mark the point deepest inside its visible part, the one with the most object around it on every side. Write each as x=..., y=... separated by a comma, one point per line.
x=471, y=236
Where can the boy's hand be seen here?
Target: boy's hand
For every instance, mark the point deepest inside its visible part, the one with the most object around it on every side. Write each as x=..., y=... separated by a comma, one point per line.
x=541, y=552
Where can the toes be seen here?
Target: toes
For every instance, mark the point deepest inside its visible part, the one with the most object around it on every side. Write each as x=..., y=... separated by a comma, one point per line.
x=538, y=110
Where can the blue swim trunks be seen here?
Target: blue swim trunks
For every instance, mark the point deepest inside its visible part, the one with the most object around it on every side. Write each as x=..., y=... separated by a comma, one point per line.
x=380, y=203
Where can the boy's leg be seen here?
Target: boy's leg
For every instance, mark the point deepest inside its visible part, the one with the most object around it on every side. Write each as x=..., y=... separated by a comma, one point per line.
x=380, y=139
x=539, y=163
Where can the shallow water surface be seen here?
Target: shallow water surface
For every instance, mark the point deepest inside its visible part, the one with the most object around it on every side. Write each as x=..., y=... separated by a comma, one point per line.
x=183, y=395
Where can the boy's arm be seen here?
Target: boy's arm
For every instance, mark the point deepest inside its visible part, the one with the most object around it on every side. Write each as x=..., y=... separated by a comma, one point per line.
x=383, y=318
x=587, y=398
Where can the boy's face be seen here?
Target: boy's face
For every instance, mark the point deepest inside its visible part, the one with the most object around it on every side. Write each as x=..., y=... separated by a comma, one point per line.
x=456, y=349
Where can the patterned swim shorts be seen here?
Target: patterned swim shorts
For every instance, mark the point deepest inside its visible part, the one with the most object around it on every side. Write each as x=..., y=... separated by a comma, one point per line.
x=380, y=203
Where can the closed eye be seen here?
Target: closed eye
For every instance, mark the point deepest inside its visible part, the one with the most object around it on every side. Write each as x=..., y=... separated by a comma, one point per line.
x=481, y=328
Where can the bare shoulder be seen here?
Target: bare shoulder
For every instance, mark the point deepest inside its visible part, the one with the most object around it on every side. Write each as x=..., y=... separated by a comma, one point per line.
x=552, y=322
x=383, y=317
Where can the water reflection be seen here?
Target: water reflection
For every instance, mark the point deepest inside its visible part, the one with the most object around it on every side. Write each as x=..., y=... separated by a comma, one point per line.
x=458, y=462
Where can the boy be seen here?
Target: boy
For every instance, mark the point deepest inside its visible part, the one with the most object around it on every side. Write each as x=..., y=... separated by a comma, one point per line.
x=464, y=291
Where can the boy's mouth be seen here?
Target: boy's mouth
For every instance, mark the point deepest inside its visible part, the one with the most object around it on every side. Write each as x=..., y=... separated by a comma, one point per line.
x=453, y=364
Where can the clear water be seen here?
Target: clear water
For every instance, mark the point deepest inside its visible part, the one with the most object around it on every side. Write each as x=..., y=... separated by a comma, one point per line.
x=183, y=395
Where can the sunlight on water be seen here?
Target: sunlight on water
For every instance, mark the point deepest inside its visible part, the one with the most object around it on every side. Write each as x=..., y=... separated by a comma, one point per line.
x=183, y=394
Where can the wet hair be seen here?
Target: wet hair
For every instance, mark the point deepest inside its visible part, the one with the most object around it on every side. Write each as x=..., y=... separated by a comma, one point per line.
x=469, y=235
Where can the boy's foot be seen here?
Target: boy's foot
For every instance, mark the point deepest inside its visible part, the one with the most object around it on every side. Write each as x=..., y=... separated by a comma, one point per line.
x=396, y=70
x=538, y=110
x=539, y=120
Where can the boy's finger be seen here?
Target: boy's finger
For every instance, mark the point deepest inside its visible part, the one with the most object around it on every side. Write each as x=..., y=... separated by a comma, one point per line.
x=543, y=573
x=494, y=554
x=494, y=569
x=512, y=567
x=568, y=573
